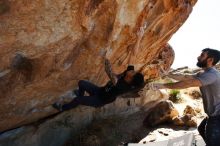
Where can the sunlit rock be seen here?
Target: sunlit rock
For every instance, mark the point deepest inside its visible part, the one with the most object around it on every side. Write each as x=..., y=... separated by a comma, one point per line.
x=46, y=46
x=161, y=113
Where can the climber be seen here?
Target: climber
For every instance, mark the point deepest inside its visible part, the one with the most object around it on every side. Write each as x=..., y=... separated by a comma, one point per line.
x=99, y=96
x=209, y=83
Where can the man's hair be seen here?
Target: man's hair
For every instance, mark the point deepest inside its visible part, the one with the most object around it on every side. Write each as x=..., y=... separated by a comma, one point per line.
x=212, y=53
x=138, y=80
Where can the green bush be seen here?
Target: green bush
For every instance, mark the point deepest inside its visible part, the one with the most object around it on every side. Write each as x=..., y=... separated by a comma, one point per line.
x=174, y=96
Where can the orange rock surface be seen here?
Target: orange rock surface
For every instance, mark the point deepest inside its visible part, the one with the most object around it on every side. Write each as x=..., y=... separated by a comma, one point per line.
x=46, y=46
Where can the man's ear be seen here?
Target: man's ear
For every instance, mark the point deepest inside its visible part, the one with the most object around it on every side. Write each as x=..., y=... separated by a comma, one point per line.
x=211, y=60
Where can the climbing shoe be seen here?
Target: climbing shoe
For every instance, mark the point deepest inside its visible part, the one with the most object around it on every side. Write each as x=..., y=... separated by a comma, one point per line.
x=57, y=106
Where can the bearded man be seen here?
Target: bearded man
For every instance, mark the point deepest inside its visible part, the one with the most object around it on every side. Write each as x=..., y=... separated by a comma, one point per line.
x=209, y=83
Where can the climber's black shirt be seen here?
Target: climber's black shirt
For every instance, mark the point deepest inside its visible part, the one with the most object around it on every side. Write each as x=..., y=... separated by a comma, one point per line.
x=109, y=92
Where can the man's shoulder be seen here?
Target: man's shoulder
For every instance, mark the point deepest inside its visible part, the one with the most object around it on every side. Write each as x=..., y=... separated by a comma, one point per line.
x=210, y=73
x=213, y=71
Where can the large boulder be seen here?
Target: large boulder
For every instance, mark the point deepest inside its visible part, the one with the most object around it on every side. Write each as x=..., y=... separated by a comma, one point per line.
x=46, y=46
x=58, y=129
x=164, y=112
x=187, y=119
x=161, y=113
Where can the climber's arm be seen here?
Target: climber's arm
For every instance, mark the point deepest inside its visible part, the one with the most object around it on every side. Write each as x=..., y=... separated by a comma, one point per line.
x=179, y=85
x=180, y=77
x=108, y=70
x=136, y=47
x=137, y=44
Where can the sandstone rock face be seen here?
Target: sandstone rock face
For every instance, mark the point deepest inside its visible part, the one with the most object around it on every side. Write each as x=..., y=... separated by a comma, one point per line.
x=165, y=111
x=46, y=46
x=195, y=94
x=162, y=112
x=187, y=119
x=57, y=130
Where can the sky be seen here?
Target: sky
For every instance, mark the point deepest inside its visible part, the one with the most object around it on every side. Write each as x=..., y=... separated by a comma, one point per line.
x=200, y=30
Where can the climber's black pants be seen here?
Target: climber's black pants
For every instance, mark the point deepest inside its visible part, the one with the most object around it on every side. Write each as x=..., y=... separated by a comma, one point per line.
x=90, y=100
x=209, y=129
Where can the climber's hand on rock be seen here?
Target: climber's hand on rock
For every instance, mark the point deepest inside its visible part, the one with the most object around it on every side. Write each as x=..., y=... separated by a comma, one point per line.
x=140, y=32
x=150, y=86
x=103, y=52
x=163, y=72
x=157, y=86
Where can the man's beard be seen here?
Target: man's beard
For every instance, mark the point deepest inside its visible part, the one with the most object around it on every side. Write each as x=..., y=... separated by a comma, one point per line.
x=202, y=64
